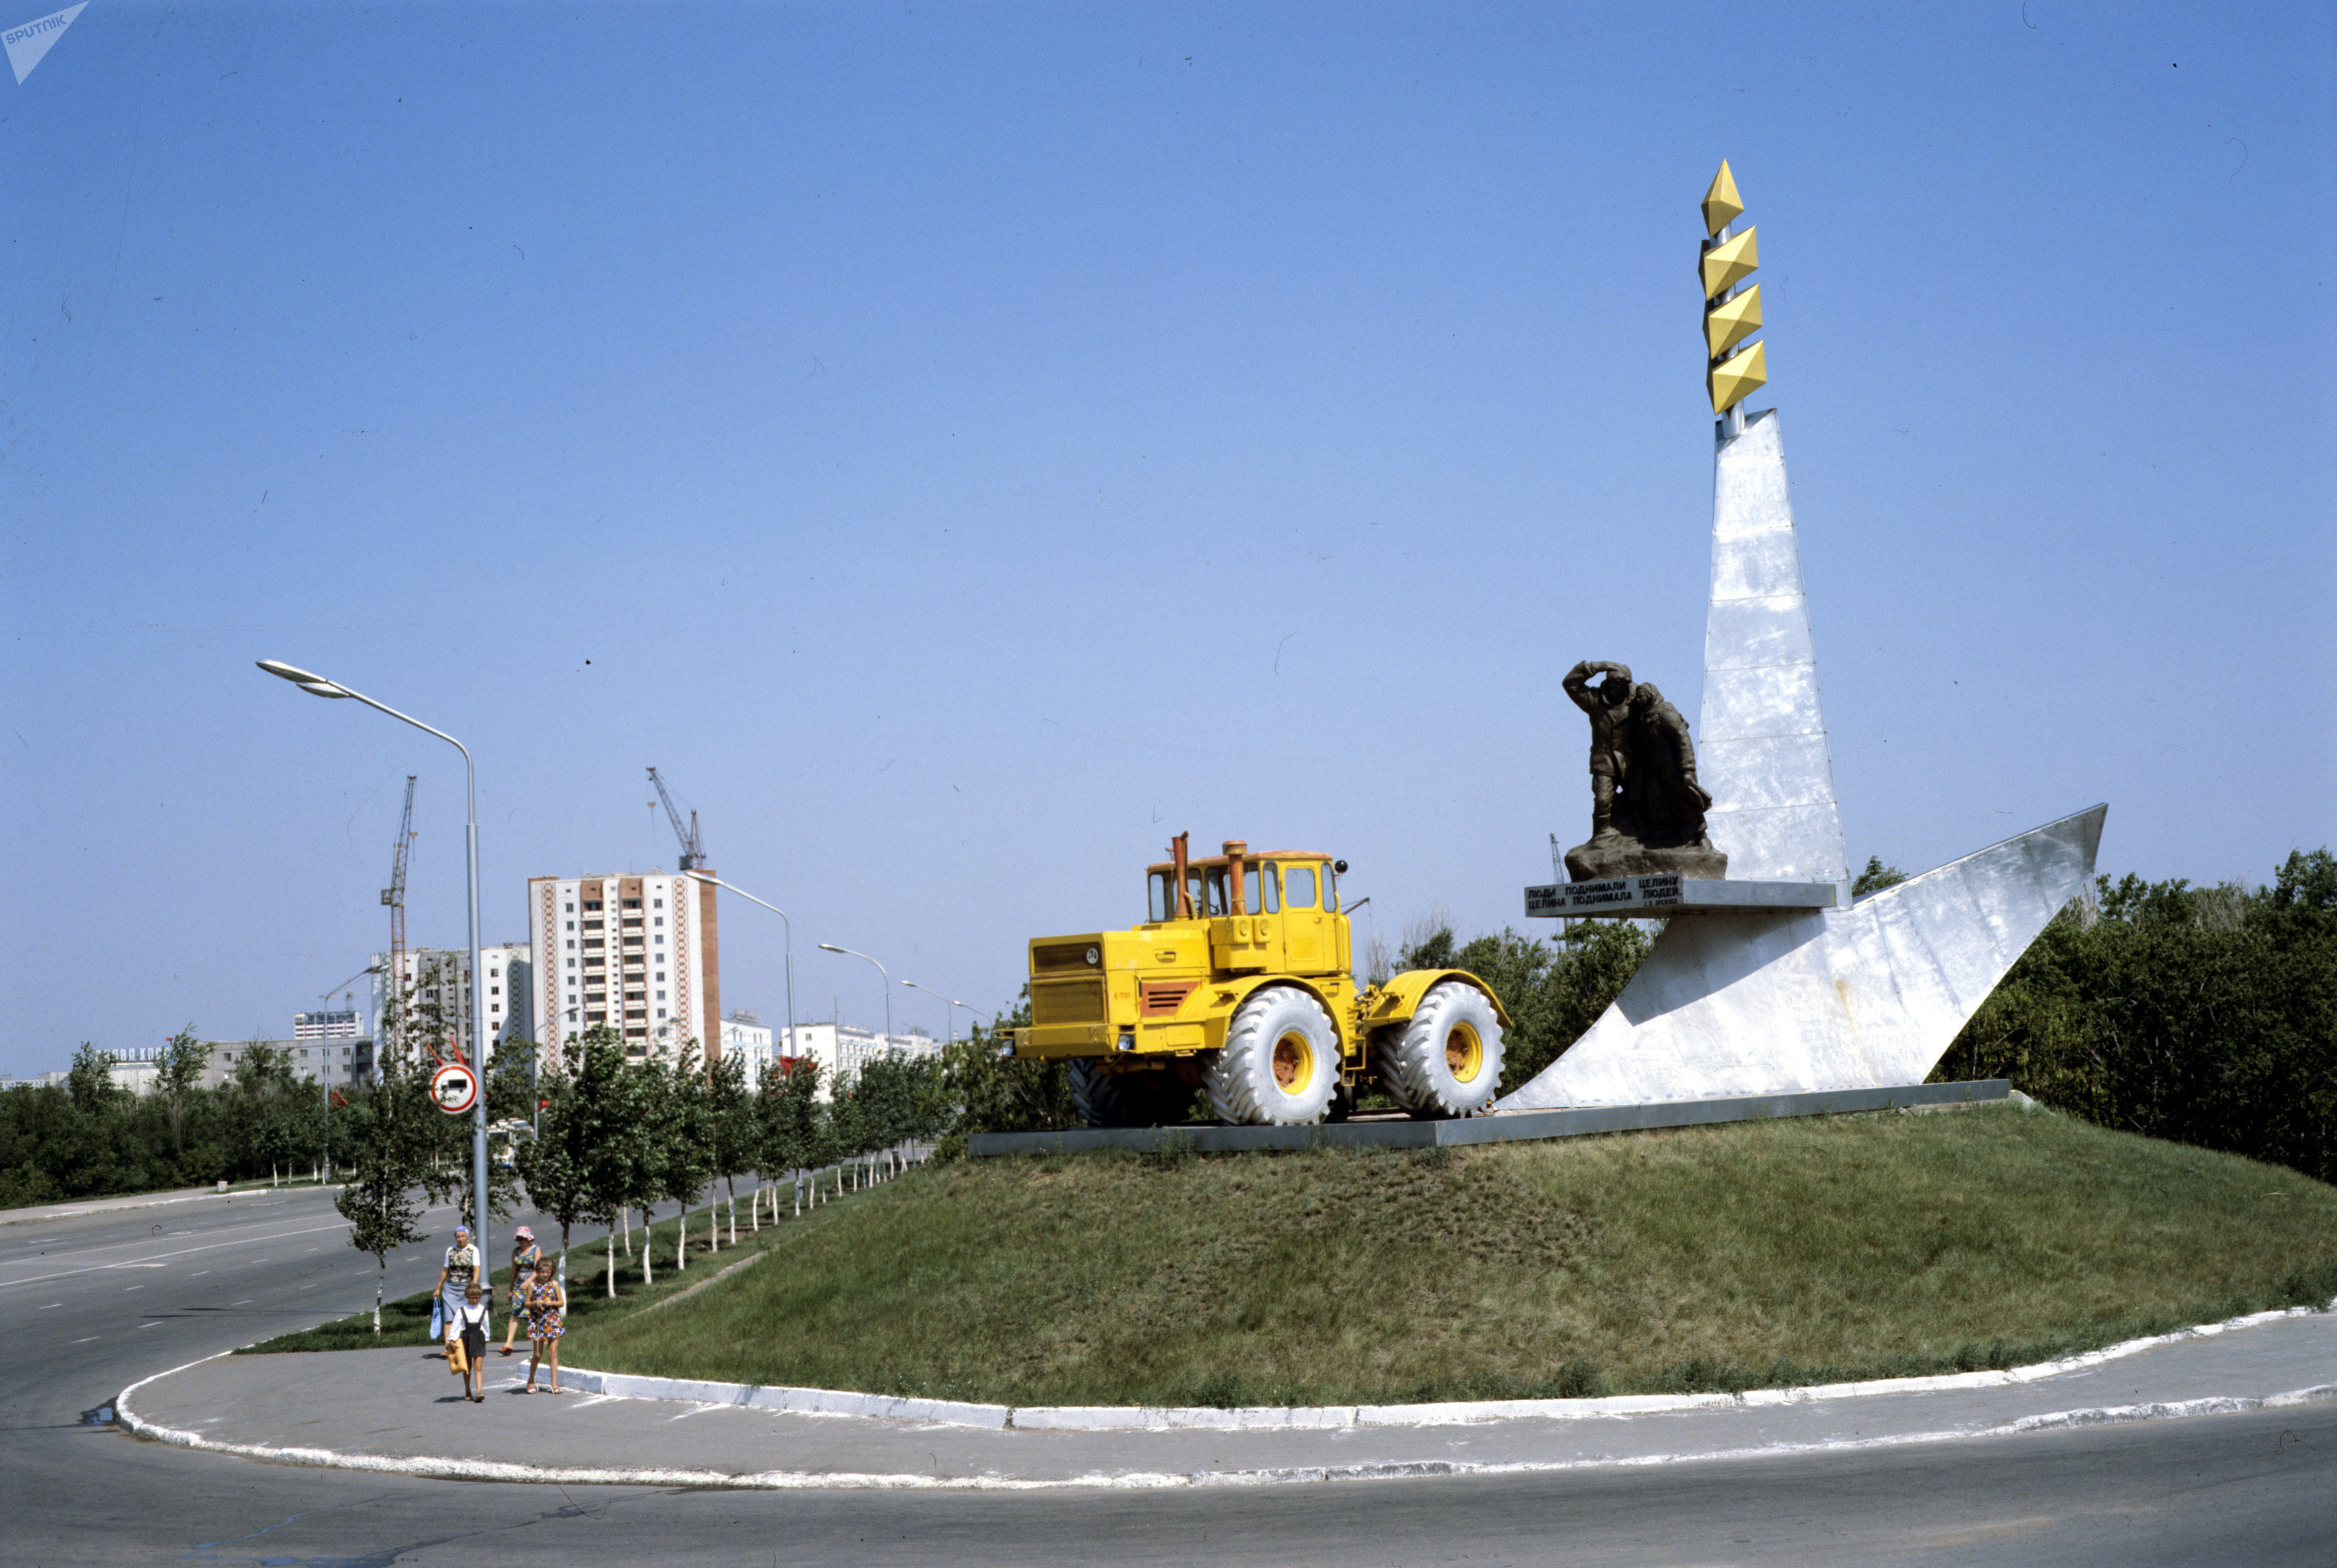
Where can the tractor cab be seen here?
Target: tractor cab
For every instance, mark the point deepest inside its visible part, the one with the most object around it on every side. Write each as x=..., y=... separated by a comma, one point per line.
x=1277, y=911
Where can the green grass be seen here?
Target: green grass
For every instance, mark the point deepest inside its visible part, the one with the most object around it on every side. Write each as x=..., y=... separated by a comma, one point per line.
x=406, y=1320
x=1757, y=1254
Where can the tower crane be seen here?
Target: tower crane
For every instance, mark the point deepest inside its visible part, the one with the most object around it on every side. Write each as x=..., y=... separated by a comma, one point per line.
x=394, y=895
x=693, y=853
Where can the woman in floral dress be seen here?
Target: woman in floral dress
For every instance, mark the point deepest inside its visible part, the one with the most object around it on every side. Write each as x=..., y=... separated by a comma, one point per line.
x=546, y=1305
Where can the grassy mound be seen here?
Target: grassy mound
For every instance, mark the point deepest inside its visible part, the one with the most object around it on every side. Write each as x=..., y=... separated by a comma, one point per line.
x=1756, y=1254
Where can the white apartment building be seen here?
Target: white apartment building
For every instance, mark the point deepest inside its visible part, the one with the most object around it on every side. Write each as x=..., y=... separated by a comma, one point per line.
x=338, y=1063
x=639, y=954
x=842, y=1050
x=749, y=1038
x=348, y=1025
x=508, y=1000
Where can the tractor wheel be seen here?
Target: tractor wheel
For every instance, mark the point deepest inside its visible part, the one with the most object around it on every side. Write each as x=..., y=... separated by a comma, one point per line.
x=1280, y=1064
x=1447, y=1062
x=1146, y=1098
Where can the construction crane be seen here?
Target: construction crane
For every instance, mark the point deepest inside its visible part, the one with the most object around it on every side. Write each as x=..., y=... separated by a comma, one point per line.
x=394, y=897
x=693, y=853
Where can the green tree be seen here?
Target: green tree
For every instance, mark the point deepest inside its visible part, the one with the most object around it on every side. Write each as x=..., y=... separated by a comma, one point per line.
x=1876, y=878
x=176, y=1080
x=685, y=1154
x=730, y=1114
x=2203, y=1015
x=388, y=1136
x=89, y=1082
x=992, y=1092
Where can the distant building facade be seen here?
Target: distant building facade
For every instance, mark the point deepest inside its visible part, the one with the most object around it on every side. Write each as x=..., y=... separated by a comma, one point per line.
x=334, y=1063
x=748, y=1038
x=639, y=954
x=843, y=1051
x=348, y=1025
x=509, y=1012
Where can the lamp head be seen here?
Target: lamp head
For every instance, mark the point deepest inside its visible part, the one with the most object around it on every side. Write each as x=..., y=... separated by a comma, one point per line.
x=315, y=685
x=829, y=948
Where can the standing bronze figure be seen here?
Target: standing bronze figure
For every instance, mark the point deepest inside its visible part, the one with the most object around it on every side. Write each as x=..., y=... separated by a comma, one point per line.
x=1647, y=808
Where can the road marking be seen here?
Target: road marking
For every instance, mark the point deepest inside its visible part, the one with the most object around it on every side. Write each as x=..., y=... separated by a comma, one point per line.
x=245, y=1302
x=52, y=1307
x=156, y=1324
x=198, y=1273
x=207, y=1247
x=127, y=1288
x=84, y=1341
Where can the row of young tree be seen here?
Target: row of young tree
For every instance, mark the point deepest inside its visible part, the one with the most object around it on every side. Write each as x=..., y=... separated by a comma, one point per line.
x=588, y=1134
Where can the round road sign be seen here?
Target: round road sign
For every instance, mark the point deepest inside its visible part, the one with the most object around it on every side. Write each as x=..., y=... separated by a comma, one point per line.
x=456, y=1088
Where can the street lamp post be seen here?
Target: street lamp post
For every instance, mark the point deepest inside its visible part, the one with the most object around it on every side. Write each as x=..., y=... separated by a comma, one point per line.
x=787, y=925
x=832, y=947
x=949, y=1019
x=318, y=686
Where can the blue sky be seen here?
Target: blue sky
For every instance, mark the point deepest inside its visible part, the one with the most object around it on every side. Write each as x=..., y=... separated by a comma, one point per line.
x=963, y=447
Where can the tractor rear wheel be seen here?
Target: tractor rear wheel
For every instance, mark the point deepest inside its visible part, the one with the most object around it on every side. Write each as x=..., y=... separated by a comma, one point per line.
x=1447, y=1062
x=1151, y=1097
x=1280, y=1064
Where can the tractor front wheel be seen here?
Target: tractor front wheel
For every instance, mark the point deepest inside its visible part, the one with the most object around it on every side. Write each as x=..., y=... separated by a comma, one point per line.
x=1447, y=1062
x=1280, y=1064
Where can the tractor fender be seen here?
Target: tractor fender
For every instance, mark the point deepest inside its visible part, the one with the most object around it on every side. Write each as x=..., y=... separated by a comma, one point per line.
x=1396, y=1001
x=1219, y=1001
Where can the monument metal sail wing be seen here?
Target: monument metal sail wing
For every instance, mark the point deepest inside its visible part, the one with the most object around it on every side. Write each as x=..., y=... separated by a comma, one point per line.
x=1739, y=998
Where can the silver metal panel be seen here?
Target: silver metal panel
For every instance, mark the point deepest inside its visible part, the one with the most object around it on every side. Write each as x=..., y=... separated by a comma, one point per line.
x=1800, y=842
x=1833, y=999
x=1782, y=771
x=1758, y=565
x=1752, y=703
x=1761, y=745
x=1775, y=630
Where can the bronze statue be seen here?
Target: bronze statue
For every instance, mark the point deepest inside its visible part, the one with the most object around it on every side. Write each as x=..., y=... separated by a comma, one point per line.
x=1647, y=808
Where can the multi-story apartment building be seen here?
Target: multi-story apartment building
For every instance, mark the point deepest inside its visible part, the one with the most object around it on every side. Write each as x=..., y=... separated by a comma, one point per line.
x=749, y=1038
x=842, y=1050
x=338, y=1064
x=639, y=954
x=348, y=1025
x=509, y=1008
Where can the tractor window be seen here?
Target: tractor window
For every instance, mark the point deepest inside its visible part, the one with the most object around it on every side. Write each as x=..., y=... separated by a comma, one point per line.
x=1214, y=900
x=1330, y=890
x=1250, y=906
x=1299, y=885
x=1163, y=900
x=1273, y=905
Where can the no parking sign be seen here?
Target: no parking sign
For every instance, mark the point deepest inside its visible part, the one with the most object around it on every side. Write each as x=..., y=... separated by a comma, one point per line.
x=454, y=1087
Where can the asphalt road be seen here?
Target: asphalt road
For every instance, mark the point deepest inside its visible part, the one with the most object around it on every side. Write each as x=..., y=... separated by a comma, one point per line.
x=93, y=1303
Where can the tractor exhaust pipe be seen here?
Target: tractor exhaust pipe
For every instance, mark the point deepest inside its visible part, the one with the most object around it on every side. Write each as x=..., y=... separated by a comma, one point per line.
x=1180, y=855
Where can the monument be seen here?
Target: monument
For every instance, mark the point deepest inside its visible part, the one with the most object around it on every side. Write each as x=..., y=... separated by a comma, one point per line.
x=1768, y=977
x=1646, y=810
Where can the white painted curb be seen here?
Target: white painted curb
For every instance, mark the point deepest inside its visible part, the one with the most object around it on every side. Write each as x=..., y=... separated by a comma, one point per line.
x=1256, y=1418
x=439, y=1468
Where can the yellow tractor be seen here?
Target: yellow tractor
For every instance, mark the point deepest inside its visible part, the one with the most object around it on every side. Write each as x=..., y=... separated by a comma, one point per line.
x=1238, y=987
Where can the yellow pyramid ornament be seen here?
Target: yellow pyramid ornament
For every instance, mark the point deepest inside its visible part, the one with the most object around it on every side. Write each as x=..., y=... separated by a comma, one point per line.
x=1721, y=205
x=1730, y=262
x=1738, y=377
x=1726, y=326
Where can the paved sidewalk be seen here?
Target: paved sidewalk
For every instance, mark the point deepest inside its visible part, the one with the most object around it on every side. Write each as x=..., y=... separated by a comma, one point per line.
x=397, y=1411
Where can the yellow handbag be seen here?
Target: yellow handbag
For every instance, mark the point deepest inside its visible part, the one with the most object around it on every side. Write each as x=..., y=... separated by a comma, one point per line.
x=456, y=1361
